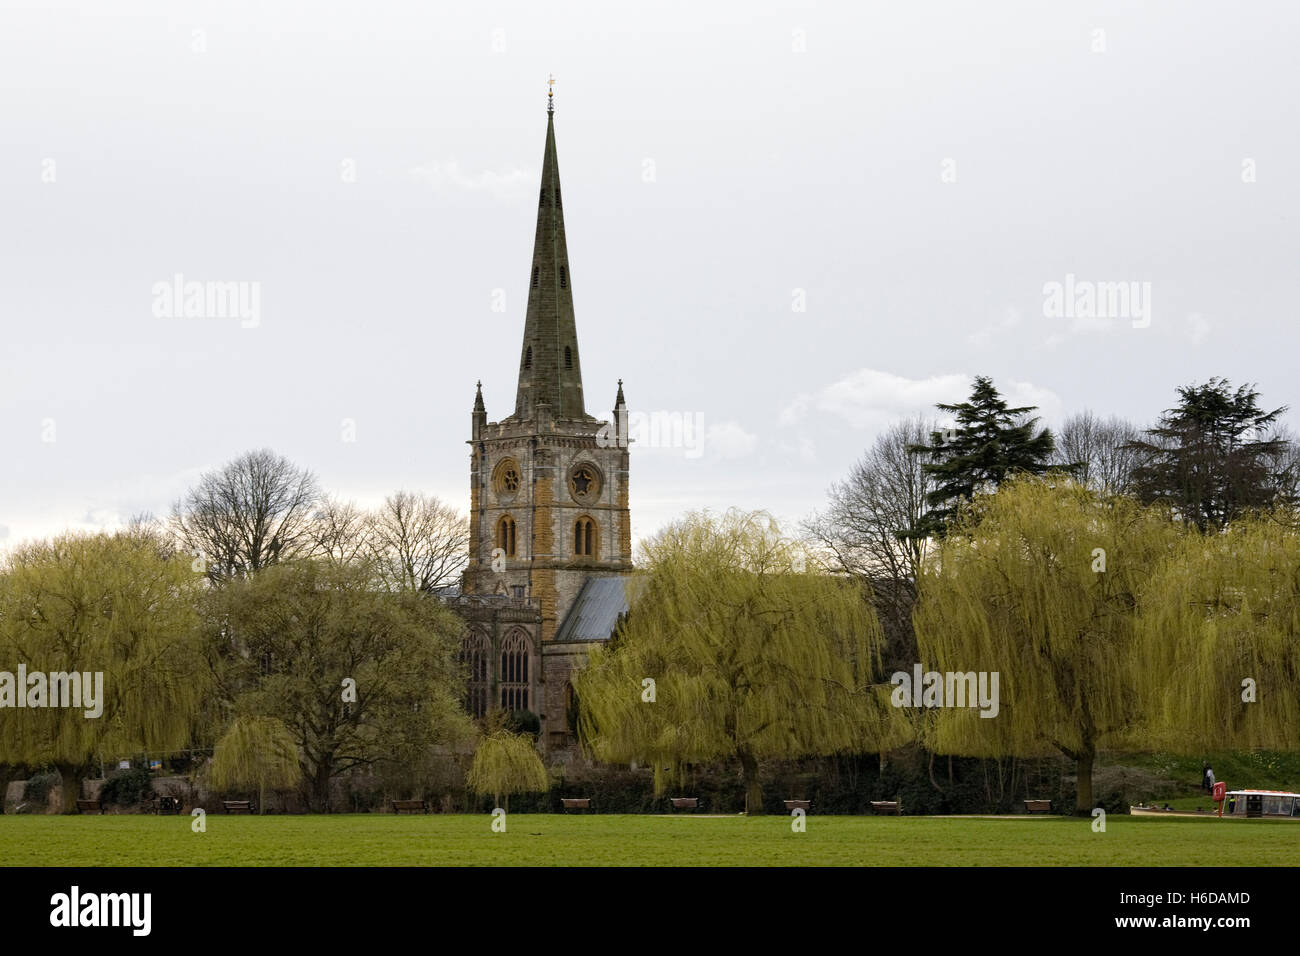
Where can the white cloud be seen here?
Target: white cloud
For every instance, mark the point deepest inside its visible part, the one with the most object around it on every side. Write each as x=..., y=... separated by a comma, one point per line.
x=447, y=177
x=870, y=398
x=729, y=440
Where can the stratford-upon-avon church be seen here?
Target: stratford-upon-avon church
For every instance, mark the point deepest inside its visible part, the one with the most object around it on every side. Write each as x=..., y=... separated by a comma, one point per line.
x=550, y=553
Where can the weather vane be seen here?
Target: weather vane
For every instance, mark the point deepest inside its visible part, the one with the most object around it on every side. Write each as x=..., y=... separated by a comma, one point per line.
x=550, y=93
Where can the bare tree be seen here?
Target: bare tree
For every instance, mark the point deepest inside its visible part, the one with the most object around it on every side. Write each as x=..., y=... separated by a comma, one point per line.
x=253, y=512
x=342, y=533
x=1099, y=451
x=866, y=528
x=419, y=543
x=1284, y=467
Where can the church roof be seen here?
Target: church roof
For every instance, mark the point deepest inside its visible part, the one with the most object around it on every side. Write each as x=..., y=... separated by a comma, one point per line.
x=597, y=609
x=550, y=371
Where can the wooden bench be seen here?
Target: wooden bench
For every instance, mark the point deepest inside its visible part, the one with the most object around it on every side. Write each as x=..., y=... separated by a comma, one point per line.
x=575, y=803
x=1038, y=806
x=238, y=806
x=884, y=808
x=410, y=806
x=685, y=803
x=166, y=806
x=792, y=805
x=90, y=806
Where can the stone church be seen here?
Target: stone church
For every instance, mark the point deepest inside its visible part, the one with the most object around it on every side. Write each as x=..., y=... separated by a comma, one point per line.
x=550, y=553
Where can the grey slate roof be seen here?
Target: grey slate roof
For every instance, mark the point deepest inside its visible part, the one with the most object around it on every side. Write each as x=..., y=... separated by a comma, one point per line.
x=599, y=605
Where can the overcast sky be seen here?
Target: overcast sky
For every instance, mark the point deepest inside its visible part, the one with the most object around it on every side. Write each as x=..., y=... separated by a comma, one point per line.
x=793, y=223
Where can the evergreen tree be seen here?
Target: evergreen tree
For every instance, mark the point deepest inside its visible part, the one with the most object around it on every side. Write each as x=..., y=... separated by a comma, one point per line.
x=1212, y=457
x=989, y=443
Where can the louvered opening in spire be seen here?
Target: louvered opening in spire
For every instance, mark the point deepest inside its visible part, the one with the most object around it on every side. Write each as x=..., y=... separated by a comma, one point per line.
x=549, y=370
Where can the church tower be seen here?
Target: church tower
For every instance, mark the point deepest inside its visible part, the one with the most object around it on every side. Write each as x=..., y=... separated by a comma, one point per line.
x=550, y=529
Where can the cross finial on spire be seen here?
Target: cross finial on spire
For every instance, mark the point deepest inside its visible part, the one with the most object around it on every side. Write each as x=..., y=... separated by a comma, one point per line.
x=550, y=93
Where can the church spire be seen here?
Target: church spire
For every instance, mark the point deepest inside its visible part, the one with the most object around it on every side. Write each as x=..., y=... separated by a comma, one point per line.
x=549, y=370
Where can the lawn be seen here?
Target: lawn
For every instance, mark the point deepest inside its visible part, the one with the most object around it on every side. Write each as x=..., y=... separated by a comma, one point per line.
x=624, y=840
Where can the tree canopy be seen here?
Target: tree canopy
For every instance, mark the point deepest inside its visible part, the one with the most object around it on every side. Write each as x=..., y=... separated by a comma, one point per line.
x=100, y=604
x=1221, y=662
x=357, y=674
x=989, y=443
x=1041, y=583
x=735, y=649
x=256, y=753
x=506, y=763
x=1211, y=458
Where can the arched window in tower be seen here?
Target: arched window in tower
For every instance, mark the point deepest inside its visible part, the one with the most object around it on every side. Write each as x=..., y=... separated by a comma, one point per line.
x=584, y=538
x=514, y=671
x=564, y=277
x=541, y=200
x=506, y=535
x=568, y=357
x=536, y=274
x=557, y=198
x=528, y=357
x=474, y=651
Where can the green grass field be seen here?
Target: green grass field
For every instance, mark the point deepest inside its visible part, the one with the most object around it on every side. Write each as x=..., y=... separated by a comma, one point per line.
x=617, y=840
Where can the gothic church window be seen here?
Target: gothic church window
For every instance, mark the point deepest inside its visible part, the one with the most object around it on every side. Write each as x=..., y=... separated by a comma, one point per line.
x=536, y=274
x=514, y=672
x=564, y=277
x=474, y=656
x=528, y=357
x=568, y=357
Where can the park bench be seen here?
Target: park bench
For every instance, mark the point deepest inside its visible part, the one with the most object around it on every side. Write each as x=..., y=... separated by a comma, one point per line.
x=576, y=803
x=166, y=806
x=792, y=805
x=685, y=803
x=90, y=806
x=238, y=806
x=410, y=806
x=1038, y=806
x=883, y=808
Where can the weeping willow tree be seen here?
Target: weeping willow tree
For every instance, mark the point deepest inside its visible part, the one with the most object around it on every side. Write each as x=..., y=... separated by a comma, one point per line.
x=736, y=648
x=1221, y=658
x=1040, y=582
x=256, y=752
x=506, y=763
x=89, y=605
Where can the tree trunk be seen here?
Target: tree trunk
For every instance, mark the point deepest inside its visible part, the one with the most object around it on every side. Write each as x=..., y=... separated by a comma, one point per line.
x=934, y=783
x=70, y=777
x=753, y=789
x=321, y=787
x=1083, y=804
